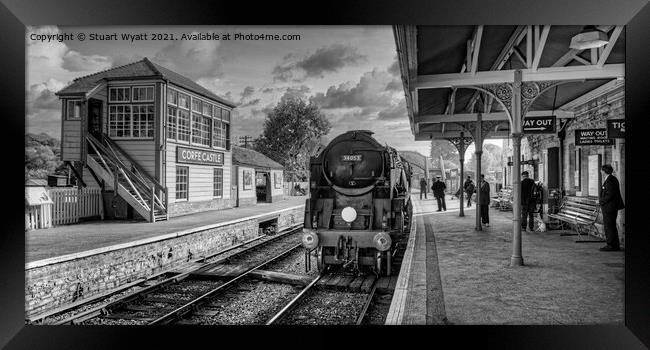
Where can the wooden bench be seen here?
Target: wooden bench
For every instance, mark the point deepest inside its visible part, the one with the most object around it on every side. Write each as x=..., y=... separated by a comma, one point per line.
x=581, y=213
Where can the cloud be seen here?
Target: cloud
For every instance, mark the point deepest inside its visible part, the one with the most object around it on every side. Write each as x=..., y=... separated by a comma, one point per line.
x=76, y=62
x=393, y=69
x=325, y=60
x=44, y=108
x=248, y=92
x=394, y=85
x=194, y=59
x=121, y=60
x=249, y=103
x=394, y=112
x=296, y=92
x=369, y=91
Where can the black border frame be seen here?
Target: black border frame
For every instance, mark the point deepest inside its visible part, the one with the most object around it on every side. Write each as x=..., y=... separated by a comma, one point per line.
x=635, y=14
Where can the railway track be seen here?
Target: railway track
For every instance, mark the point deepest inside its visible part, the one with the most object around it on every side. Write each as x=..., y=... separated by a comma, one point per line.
x=317, y=305
x=231, y=287
x=182, y=284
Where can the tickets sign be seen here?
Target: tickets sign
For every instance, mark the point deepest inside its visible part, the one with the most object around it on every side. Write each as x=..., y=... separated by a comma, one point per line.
x=616, y=128
x=587, y=137
x=198, y=156
x=539, y=125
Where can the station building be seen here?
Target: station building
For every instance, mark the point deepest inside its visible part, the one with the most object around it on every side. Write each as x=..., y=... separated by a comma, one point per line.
x=258, y=178
x=561, y=163
x=156, y=142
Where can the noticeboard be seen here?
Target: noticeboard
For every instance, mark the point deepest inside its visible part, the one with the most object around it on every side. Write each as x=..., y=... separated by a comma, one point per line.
x=616, y=128
x=588, y=137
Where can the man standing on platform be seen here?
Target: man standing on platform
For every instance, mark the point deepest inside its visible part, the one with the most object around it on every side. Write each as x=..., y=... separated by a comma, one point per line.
x=528, y=205
x=611, y=202
x=438, y=188
x=423, y=188
x=468, y=186
x=484, y=201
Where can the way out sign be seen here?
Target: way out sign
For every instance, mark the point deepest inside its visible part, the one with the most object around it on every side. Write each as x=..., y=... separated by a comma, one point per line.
x=616, y=128
x=586, y=137
x=539, y=125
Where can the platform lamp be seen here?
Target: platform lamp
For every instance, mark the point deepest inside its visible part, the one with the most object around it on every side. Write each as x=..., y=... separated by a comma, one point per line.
x=590, y=37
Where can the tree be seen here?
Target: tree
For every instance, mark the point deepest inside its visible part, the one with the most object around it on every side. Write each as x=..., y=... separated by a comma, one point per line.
x=446, y=150
x=292, y=133
x=42, y=156
x=490, y=159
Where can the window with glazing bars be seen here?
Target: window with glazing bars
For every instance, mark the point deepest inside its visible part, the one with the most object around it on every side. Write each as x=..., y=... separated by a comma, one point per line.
x=183, y=126
x=182, y=182
x=217, y=135
x=119, y=121
x=200, y=129
x=172, y=117
x=218, y=182
x=142, y=120
x=142, y=93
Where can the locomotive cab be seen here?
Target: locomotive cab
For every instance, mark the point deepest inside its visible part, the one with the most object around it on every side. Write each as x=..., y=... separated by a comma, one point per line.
x=359, y=203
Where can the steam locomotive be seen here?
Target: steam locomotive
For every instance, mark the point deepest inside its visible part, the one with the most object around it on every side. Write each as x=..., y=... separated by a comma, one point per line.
x=359, y=204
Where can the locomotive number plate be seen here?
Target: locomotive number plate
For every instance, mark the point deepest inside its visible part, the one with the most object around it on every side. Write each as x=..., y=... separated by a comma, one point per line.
x=351, y=157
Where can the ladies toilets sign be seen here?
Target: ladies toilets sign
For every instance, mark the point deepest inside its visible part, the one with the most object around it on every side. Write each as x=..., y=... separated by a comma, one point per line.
x=586, y=137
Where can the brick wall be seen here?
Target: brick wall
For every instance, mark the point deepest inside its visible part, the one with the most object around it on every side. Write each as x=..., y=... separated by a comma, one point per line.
x=52, y=285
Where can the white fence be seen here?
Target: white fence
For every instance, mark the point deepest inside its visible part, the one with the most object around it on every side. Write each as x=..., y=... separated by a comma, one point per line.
x=38, y=216
x=71, y=204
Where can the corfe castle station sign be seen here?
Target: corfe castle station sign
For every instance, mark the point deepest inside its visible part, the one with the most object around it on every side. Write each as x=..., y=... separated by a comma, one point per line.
x=198, y=156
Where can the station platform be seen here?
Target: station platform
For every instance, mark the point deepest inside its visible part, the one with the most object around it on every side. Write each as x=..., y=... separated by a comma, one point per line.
x=76, y=238
x=452, y=274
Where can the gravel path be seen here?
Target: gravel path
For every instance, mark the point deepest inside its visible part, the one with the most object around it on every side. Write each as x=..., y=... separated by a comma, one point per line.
x=326, y=308
x=259, y=302
x=294, y=263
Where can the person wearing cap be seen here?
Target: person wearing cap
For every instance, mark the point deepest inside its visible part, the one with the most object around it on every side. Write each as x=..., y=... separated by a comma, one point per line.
x=438, y=188
x=528, y=205
x=611, y=202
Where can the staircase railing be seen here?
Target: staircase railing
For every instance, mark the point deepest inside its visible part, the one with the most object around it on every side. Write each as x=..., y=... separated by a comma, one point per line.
x=115, y=168
x=138, y=171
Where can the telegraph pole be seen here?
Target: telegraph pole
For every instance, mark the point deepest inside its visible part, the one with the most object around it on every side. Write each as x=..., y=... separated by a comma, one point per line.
x=245, y=140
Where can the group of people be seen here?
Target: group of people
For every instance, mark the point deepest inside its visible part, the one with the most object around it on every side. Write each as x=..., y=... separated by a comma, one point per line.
x=609, y=199
x=438, y=187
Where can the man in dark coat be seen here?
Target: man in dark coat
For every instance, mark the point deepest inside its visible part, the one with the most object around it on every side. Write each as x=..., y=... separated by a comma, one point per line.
x=423, y=188
x=438, y=188
x=484, y=201
x=468, y=186
x=611, y=202
x=528, y=205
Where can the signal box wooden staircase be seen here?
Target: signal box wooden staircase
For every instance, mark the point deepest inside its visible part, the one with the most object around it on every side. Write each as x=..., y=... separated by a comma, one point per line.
x=130, y=181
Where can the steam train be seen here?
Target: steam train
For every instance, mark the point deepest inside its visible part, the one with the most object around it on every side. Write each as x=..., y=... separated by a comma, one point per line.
x=359, y=204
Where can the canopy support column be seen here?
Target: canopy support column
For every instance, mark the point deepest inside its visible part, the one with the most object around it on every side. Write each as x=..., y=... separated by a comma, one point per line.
x=478, y=152
x=461, y=144
x=517, y=133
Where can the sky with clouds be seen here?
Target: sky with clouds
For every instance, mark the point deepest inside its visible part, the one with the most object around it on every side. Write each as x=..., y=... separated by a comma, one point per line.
x=350, y=72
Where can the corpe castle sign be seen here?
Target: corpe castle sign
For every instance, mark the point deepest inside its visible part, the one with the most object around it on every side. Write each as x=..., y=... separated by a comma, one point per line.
x=198, y=156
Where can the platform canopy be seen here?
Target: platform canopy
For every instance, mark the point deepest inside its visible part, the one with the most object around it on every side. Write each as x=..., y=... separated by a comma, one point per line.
x=441, y=66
